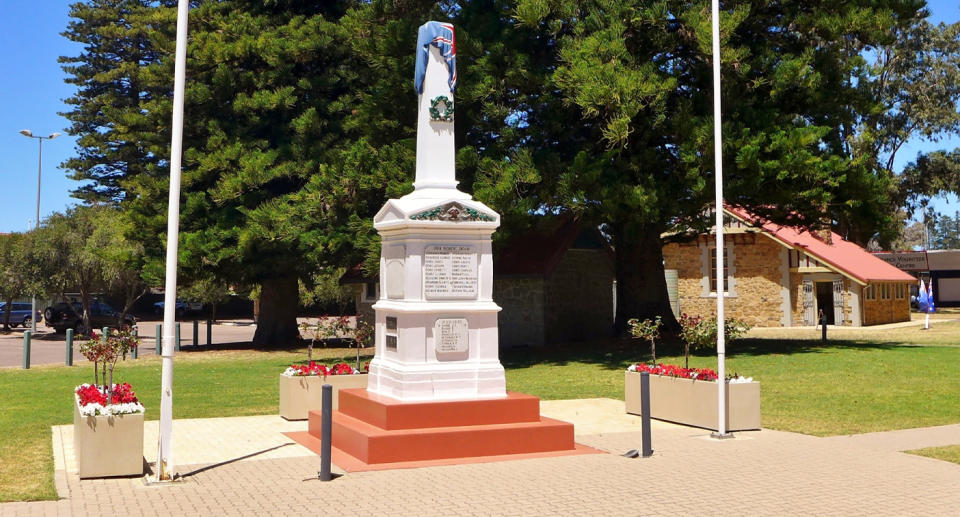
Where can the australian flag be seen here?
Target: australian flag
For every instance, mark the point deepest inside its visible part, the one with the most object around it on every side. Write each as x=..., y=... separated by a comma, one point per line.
x=439, y=35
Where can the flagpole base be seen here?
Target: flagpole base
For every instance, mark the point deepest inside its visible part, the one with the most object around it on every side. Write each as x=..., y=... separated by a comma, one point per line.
x=151, y=480
x=721, y=436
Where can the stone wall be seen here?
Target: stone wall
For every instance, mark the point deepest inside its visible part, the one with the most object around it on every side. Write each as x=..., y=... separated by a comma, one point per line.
x=756, y=267
x=521, y=319
x=579, y=297
x=879, y=311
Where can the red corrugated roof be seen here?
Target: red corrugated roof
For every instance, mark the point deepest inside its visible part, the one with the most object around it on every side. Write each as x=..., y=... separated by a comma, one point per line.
x=841, y=255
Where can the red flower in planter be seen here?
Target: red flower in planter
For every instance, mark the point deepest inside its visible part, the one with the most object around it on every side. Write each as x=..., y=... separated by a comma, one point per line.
x=670, y=370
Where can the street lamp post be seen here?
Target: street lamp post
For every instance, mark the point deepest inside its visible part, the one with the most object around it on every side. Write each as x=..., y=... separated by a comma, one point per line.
x=29, y=134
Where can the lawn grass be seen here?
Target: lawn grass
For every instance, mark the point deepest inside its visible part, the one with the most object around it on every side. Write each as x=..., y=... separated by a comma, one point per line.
x=949, y=453
x=940, y=333
x=808, y=386
x=208, y=384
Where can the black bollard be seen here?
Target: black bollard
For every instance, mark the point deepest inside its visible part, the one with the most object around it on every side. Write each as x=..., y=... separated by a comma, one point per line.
x=26, y=350
x=823, y=327
x=159, y=337
x=196, y=333
x=209, y=332
x=69, y=347
x=135, y=351
x=326, y=422
x=178, y=336
x=645, y=414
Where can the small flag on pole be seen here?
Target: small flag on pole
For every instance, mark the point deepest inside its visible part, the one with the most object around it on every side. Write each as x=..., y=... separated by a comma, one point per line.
x=930, y=305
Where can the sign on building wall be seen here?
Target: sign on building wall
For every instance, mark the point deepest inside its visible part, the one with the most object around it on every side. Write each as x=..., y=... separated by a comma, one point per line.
x=905, y=260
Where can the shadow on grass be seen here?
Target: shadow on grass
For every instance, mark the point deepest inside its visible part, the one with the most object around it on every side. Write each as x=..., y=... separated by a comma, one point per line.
x=617, y=354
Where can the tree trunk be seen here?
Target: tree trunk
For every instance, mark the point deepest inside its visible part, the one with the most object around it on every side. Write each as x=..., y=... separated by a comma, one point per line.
x=641, y=287
x=85, y=304
x=279, y=303
x=130, y=299
x=6, y=314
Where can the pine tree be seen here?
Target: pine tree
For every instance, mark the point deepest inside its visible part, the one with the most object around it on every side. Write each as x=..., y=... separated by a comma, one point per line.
x=112, y=88
x=639, y=74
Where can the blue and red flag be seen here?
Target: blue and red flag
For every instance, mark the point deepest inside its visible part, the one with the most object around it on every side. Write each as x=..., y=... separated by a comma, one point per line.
x=439, y=35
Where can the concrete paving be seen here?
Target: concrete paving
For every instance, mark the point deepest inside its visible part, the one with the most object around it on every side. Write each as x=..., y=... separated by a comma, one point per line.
x=244, y=466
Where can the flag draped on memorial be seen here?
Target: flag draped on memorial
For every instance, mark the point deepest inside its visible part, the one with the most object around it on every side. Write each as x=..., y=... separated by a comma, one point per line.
x=439, y=35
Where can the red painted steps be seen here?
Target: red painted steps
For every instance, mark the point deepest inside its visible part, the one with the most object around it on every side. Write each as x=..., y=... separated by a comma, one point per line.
x=378, y=430
x=390, y=413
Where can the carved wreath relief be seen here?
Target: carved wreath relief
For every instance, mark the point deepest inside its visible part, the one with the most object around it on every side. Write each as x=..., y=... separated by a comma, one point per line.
x=453, y=212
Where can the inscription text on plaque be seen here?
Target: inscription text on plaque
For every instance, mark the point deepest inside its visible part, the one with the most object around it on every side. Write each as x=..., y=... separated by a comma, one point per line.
x=450, y=335
x=450, y=272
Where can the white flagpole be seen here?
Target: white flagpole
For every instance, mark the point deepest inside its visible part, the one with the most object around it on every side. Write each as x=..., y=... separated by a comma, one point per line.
x=165, y=467
x=721, y=277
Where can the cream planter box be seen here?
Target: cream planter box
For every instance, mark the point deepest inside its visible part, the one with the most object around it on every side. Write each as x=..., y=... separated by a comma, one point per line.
x=300, y=395
x=691, y=402
x=107, y=446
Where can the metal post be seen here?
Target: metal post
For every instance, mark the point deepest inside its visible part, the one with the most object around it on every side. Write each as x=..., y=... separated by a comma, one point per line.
x=823, y=328
x=36, y=226
x=159, y=337
x=29, y=134
x=166, y=469
x=196, y=333
x=69, y=347
x=645, y=414
x=209, y=332
x=106, y=332
x=718, y=206
x=135, y=351
x=326, y=422
x=26, y=350
x=178, y=336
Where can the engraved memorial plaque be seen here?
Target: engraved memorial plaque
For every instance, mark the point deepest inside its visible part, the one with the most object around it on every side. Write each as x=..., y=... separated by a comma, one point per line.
x=391, y=333
x=450, y=272
x=450, y=335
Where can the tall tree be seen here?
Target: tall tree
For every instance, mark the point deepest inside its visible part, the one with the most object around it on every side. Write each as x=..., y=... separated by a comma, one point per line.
x=17, y=271
x=122, y=258
x=905, y=86
x=106, y=113
x=71, y=258
x=639, y=76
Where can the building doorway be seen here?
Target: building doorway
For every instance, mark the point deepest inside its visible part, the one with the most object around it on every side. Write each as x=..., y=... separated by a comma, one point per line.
x=824, y=293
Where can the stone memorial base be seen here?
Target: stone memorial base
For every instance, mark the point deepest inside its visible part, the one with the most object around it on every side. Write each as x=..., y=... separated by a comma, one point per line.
x=370, y=430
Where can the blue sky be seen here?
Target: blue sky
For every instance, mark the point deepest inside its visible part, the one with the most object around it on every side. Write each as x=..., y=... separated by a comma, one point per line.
x=33, y=93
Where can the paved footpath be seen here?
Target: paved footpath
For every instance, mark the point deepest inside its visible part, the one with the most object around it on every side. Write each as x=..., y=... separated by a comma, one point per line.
x=244, y=466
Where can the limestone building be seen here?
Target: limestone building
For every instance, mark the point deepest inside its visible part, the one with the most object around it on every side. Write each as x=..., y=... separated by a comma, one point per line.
x=779, y=276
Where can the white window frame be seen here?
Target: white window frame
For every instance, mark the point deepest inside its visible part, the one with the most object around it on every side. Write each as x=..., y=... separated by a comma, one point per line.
x=708, y=287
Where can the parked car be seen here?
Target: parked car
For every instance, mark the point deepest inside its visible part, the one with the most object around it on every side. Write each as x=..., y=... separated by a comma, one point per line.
x=182, y=307
x=19, y=314
x=61, y=318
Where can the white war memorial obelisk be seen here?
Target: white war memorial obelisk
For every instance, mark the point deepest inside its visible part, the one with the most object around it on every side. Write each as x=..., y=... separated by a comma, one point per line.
x=436, y=322
x=436, y=389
